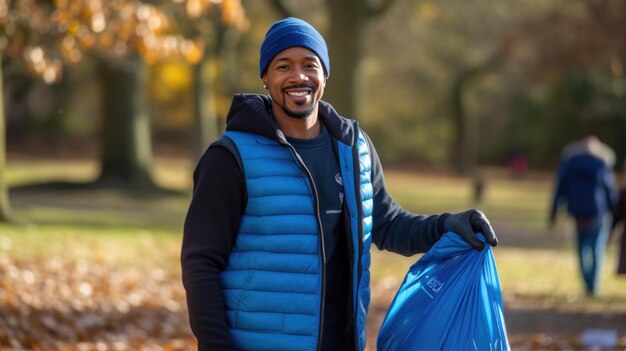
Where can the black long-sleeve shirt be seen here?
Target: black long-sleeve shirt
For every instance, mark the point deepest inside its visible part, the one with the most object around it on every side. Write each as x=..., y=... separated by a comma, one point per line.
x=210, y=230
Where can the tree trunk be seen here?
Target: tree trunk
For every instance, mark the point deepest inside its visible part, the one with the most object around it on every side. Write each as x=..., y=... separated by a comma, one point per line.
x=463, y=154
x=229, y=69
x=222, y=52
x=126, y=155
x=204, y=125
x=348, y=20
x=6, y=214
x=466, y=128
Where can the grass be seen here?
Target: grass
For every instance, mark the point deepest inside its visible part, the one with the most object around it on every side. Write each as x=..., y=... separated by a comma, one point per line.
x=535, y=265
x=519, y=203
x=124, y=246
x=95, y=224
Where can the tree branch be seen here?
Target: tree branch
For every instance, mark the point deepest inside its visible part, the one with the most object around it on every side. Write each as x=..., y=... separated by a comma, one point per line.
x=280, y=8
x=373, y=11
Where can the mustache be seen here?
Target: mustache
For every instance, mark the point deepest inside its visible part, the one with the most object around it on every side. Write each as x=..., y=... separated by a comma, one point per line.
x=299, y=86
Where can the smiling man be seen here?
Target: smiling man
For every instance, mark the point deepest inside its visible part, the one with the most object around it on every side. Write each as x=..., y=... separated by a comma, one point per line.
x=286, y=205
x=295, y=79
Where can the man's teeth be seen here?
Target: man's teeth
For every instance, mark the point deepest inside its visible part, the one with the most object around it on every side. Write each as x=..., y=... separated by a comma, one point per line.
x=298, y=93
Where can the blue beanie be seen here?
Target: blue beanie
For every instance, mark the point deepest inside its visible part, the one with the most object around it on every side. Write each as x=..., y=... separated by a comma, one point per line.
x=292, y=32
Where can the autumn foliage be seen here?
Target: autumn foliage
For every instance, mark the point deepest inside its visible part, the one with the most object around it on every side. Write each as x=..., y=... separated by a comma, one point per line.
x=62, y=303
x=47, y=34
x=59, y=303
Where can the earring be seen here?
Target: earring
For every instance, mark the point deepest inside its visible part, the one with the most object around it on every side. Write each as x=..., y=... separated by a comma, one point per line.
x=264, y=86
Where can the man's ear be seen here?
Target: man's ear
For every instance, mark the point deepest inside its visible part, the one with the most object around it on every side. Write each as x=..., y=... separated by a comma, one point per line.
x=265, y=82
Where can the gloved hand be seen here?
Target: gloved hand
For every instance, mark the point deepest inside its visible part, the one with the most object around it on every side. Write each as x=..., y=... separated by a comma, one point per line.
x=467, y=224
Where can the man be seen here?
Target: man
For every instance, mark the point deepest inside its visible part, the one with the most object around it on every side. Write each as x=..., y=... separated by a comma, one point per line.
x=285, y=207
x=585, y=181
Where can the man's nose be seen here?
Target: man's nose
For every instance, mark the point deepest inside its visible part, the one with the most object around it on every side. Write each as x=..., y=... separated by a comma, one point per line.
x=299, y=75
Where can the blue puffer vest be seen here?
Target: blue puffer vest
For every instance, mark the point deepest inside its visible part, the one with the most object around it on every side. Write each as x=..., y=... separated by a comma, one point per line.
x=273, y=284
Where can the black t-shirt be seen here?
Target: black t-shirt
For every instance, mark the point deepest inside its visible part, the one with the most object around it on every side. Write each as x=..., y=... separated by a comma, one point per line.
x=319, y=156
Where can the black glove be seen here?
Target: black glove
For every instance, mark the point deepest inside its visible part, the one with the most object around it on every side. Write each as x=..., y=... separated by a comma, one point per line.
x=467, y=224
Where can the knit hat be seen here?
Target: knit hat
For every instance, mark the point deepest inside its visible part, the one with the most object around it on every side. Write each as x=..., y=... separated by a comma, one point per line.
x=292, y=32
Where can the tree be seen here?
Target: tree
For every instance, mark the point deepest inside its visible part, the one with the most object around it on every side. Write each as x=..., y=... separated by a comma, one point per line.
x=25, y=32
x=200, y=27
x=216, y=30
x=6, y=213
x=129, y=34
x=579, y=60
x=123, y=35
x=126, y=150
x=466, y=130
x=348, y=21
x=204, y=90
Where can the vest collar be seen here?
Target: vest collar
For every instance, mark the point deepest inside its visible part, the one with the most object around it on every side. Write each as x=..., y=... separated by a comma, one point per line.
x=252, y=113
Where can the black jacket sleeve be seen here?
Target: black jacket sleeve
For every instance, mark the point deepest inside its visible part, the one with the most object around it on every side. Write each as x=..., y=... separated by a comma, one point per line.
x=394, y=228
x=210, y=231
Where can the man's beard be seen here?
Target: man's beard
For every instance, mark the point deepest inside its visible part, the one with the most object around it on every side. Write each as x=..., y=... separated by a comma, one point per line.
x=299, y=115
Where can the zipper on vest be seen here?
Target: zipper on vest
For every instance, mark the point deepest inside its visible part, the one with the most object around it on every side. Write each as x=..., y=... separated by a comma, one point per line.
x=283, y=140
x=360, y=215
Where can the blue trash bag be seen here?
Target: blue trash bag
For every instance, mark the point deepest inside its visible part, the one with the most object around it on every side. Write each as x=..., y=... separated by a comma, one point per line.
x=449, y=300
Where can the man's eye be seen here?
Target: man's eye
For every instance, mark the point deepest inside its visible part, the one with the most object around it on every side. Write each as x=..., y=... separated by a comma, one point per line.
x=282, y=67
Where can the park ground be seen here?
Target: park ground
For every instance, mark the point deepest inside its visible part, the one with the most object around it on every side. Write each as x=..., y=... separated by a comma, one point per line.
x=98, y=269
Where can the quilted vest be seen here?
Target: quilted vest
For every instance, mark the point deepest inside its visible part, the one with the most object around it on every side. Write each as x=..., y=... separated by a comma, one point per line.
x=273, y=282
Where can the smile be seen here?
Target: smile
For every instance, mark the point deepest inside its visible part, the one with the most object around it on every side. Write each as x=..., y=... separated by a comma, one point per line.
x=299, y=93
x=300, y=90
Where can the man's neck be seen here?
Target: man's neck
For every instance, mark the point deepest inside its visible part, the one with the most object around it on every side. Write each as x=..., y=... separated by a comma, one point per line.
x=300, y=128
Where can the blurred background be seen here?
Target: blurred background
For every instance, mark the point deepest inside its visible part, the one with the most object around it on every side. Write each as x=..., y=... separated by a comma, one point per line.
x=107, y=105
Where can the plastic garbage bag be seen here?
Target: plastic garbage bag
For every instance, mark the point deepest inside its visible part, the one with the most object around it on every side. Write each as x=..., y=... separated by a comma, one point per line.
x=449, y=300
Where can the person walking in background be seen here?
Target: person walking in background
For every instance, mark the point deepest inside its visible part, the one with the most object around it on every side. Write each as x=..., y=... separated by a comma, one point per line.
x=586, y=182
x=619, y=215
x=285, y=207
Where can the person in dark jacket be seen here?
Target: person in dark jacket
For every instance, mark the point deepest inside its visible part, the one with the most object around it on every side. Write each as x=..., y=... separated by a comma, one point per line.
x=585, y=181
x=285, y=206
x=619, y=215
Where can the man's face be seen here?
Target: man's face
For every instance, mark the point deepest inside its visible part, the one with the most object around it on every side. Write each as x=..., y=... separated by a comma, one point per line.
x=295, y=80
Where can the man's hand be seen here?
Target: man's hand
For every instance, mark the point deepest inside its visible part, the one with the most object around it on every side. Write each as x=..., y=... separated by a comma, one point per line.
x=467, y=224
